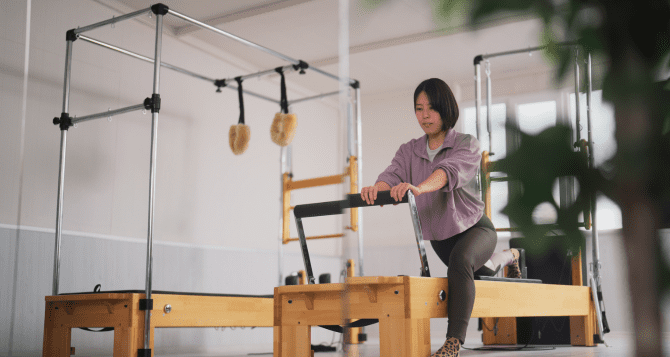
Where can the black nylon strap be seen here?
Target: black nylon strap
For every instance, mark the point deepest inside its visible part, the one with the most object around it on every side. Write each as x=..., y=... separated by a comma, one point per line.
x=283, y=101
x=239, y=95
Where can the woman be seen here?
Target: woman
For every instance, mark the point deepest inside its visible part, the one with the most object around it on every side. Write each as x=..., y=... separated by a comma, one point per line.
x=440, y=169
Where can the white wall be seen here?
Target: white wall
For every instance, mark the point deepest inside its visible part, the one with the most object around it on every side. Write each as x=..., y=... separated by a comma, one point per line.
x=202, y=188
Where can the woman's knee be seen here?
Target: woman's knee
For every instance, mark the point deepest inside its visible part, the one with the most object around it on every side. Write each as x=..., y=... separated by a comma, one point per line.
x=461, y=263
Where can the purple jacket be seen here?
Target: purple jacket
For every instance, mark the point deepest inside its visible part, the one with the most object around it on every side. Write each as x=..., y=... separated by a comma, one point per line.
x=453, y=208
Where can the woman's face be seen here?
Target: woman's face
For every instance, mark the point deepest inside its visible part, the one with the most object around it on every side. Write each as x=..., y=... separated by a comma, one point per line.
x=429, y=119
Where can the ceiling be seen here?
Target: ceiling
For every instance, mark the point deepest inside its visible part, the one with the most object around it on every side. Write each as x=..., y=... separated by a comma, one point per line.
x=392, y=46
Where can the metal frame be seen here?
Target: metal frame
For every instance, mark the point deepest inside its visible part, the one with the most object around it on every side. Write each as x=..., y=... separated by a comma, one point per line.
x=596, y=265
x=353, y=201
x=354, y=171
x=77, y=34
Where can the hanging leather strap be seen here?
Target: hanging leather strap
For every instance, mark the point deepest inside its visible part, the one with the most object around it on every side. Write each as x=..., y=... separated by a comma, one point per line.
x=283, y=101
x=239, y=95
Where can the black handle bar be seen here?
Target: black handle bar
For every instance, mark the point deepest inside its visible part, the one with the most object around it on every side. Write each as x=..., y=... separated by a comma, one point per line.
x=336, y=207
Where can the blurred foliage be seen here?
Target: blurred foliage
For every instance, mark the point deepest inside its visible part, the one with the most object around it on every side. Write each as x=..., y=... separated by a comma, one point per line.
x=535, y=166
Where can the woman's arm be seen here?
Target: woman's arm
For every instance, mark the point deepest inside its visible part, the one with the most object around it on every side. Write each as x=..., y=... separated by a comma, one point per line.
x=434, y=182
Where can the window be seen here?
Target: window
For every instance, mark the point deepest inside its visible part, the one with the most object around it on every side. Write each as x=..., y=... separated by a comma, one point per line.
x=533, y=118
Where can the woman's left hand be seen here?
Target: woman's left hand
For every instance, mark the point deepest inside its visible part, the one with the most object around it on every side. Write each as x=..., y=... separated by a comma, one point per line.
x=398, y=192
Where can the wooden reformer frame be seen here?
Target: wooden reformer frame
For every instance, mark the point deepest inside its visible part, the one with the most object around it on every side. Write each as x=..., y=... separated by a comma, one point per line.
x=404, y=305
x=121, y=310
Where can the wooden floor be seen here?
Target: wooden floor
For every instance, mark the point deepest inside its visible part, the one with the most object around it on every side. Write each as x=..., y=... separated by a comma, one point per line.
x=620, y=345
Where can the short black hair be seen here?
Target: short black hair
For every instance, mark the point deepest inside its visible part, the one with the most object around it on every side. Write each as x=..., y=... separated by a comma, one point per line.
x=441, y=99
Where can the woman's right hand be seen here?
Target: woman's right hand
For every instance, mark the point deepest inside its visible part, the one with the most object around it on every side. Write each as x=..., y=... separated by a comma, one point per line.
x=369, y=194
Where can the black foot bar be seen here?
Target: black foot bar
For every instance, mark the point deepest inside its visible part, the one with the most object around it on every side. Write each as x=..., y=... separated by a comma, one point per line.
x=352, y=201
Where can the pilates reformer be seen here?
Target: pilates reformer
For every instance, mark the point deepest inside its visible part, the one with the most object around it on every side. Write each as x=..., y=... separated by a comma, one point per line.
x=403, y=305
x=133, y=314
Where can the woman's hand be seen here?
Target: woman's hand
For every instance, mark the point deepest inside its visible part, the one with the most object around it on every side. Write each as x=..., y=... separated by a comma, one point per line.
x=369, y=194
x=398, y=192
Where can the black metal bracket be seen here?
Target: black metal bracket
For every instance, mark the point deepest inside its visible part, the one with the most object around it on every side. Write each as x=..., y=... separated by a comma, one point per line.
x=159, y=9
x=356, y=84
x=71, y=36
x=144, y=352
x=153, y=103
x=64, y=121
x=478, y=59
x=302, y=66
x=220, y=83
x=146, y=304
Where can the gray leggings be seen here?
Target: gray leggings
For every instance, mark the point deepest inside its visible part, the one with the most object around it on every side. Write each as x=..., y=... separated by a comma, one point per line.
x=464, y=253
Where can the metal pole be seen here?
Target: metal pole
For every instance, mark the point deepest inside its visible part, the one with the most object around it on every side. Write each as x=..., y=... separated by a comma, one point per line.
x=286, y=69
x=488, y=105
x=478, y=97
x=231, y=36
x=594, y=227
x=314, y=97
x=111, y=21
x=152, y=175
x=578, y=113
x=61, y=169
x=251, y=44
x=416, y=222
x=110, y=113
x=143, y=58
x=282, y=170
x=166, y=65
x=359, y=184
x=478, y=105
x=524, y=50
x=349, y=80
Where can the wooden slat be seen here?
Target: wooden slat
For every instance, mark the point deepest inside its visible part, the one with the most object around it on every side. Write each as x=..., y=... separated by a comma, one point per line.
x=286, y=209
x=339, y=235
x=316, y=182
x=211, y=311
x=502, y=299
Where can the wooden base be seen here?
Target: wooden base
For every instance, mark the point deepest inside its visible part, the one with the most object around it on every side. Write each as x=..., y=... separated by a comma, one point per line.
x=405, y=305
x=121, y=311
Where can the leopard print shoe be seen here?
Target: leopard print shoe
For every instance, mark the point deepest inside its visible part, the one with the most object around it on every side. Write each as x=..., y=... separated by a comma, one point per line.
x=451, y=348
x=513, y=270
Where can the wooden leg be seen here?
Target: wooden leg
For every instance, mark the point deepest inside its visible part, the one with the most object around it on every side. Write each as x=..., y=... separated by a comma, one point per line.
x=582, y=328
x=125, y=344
x=499, y=331
x=127, y=340
x=57, y=338
x=404, y=337
x=57, y=342
x=292, y=341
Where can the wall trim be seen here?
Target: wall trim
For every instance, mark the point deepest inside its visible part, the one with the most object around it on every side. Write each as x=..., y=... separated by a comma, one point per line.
x=156, y=242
